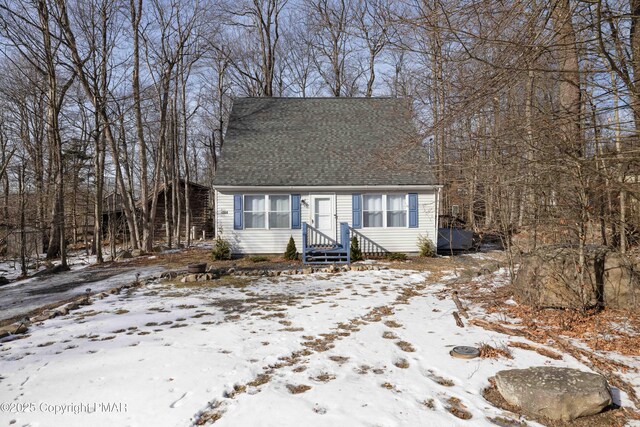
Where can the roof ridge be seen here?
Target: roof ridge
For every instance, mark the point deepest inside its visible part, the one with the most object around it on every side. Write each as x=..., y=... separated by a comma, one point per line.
x=323, y=97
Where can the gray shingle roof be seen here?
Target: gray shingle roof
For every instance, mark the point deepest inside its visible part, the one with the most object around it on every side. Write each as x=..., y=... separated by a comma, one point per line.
x=322, y=142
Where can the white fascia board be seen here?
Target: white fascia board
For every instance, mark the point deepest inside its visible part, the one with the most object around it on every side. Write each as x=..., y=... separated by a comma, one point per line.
x=327, y=188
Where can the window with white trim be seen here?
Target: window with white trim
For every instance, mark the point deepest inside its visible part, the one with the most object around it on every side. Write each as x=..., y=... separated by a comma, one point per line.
x=372, y=211
x=267, y=211
x=279, y=211
x=384, y=210
x=396, y=210
x=254, y=212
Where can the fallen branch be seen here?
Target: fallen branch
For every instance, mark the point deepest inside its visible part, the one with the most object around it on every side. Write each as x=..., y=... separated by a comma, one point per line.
x=461, y=309
x=501, y=329
x=540, y=350
x=458, y=319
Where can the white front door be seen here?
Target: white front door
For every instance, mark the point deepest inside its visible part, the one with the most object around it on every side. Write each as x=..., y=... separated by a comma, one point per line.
x=322, y=215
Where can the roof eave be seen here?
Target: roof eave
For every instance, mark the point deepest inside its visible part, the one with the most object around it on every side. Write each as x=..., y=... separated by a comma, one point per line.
x=326, y=188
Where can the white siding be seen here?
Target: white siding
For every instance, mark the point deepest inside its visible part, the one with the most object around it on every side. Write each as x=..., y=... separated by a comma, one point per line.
x=275, y=241
x=396, y=239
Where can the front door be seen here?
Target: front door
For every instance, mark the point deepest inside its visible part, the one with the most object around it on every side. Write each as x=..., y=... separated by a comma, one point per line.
x=322, y=215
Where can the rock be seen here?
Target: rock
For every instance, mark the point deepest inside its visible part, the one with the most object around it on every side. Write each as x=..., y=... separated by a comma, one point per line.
x=62, y=311
x=137, y=252
x=123, y=255
x=332, y=269
x=620, y=280
x=13, y=329
x=72, y=306
x=549, y=277
x=189, y=278
x=556, y=393
x=169, y=275
x=19, y=328
x=40, y=318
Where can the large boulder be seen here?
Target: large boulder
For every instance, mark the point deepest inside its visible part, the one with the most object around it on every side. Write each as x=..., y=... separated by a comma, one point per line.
x=550, y=277
x=621, y=280
x=556, y=393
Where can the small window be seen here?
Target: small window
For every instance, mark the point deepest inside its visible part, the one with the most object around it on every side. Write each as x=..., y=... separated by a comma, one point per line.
x=396, y=210
x=372, y=212
x=279, y=212
x=455, y=210
x=254, y=212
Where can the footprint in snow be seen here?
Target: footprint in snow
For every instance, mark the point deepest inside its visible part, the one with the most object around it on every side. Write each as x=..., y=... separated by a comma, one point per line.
x=178, y=402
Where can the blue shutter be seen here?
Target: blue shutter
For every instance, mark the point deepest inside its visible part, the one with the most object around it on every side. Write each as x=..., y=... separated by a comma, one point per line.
x=413, y=210
x=356, y=214
x=296, y=221
x=237, y=211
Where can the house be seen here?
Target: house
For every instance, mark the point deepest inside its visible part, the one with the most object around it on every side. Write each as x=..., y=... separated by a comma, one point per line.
x=33, y=242
x=114, y=221
x=324, y=170
x=198, y=206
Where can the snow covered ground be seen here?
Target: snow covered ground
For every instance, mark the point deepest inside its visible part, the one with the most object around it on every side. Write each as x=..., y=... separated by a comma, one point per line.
x=22, y=297
x=358, y=348
x=10, y=268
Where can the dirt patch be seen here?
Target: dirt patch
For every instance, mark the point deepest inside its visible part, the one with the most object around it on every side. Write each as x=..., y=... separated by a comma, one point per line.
x=406, y=346
x=389, y=335
x=392, y=324
x=489, y=352
x=224, y=281
x=440, y=380
x=390, y=386
x=377, y=314
x=401, y=363
x=210, y=415
x=298, y=388
x=429, y=404
x=237, y=389
x=323, y=377
x=259, y=380
x=458, y=409
x=339, y=359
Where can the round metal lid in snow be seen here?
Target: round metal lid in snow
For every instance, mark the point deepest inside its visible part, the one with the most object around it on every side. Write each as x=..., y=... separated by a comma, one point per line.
x=465, y=352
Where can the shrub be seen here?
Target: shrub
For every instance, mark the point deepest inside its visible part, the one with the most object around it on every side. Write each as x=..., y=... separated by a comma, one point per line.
x=221, y=249
x=291, y=253
x=356, y=253
x=397, y=256
x=258, y=258
x=426, y=247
